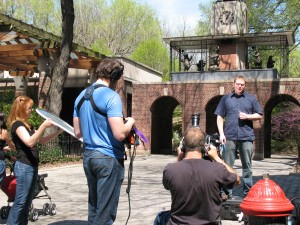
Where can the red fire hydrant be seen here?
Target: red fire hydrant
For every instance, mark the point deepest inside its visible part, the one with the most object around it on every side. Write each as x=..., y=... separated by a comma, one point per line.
x=266, y=204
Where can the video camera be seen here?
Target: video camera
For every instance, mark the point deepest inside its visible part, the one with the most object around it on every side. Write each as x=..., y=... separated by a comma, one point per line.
x=210, y=139
x=213, y=139
x=130, y=139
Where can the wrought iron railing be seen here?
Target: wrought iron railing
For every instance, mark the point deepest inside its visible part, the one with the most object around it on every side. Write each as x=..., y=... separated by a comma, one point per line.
x=69, y=145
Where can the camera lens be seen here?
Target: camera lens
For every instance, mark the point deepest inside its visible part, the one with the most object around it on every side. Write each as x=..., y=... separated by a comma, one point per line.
x=195, y=120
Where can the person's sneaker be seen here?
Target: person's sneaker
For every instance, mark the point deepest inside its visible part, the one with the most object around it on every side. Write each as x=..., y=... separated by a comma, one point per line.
x=224, y=197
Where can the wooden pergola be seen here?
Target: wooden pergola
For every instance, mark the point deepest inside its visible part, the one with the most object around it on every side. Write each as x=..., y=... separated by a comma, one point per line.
x=24, y=47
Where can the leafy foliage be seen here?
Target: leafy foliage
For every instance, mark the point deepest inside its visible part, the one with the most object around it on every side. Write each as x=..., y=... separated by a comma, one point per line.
x=204, y=23
x=177, y=127
x=124, y=24
x=294, y=69
x=6, y=99
x=270, y=15
x=44, y=14
x=54, y=155
x=176, y=140
x=152, y=53
x=286, y=126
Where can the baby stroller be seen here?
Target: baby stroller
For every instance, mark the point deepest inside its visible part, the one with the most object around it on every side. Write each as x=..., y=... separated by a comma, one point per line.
x=9, y=188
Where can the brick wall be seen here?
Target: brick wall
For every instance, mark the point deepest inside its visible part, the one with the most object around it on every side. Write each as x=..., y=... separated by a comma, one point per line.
x=152, y=102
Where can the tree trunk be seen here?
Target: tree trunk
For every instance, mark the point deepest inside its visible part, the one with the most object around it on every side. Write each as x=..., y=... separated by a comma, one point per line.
x=60, y=70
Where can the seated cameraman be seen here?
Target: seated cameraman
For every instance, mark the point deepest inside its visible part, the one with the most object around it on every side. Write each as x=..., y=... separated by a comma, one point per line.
x=195, y=183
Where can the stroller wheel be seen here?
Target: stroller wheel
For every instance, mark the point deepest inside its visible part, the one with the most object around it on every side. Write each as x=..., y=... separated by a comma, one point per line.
x=31, y=207
x=33, y=215
x=53, y=209
x=46, y=209
x=4, y=212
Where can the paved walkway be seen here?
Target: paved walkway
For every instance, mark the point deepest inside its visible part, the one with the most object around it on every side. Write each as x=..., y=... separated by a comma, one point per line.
x=68, y=189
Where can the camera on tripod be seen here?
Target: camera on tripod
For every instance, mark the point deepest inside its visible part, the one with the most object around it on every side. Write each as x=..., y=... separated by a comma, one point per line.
x=195, y=123
x=210, y=139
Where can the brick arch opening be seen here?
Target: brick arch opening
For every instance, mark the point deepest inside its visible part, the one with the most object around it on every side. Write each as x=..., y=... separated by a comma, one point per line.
x=211, y=118
x=268, y=117
x=161, y=125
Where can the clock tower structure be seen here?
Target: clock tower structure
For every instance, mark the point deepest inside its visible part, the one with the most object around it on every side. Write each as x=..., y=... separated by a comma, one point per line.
x=229, y=18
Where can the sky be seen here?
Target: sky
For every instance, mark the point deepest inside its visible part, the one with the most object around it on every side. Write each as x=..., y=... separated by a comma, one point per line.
x=175, y=10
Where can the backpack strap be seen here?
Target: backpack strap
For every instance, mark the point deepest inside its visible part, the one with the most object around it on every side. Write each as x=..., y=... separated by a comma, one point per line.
x=88, y=95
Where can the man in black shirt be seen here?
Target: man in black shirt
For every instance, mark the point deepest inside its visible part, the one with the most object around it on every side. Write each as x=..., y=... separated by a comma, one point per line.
x=195, y=183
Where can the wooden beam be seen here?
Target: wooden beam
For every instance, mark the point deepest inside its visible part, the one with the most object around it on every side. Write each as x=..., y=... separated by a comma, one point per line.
x=21, y=73
x=17, y=53
x=5, y=67
x=18, y=66
x=83, y=64
x=13, y=60
x=30, y=58
x=31, y=46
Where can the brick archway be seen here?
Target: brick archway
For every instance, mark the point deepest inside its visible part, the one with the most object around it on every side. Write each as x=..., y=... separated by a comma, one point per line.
x=161, y=124
x=211, y=125
x=153, y=102
x=267, y=112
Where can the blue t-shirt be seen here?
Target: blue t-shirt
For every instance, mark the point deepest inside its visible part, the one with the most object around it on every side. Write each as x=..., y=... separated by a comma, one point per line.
x=95, y=129
x=229, y=107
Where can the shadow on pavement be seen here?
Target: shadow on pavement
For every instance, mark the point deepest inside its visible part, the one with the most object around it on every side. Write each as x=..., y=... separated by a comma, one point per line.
x=69, y=222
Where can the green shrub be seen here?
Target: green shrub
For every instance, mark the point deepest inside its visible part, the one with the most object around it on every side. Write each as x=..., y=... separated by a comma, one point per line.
x=176, y=140
x=54, y=155
x=284, y=147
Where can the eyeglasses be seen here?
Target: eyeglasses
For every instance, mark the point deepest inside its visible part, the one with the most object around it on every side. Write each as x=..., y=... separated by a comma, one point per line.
x=239, y=84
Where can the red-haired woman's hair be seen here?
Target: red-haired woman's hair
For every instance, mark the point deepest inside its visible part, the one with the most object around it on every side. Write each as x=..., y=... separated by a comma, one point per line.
x=18, y=110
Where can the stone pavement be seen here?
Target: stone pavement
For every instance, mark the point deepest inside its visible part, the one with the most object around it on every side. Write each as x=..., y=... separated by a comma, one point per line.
x=68, y=190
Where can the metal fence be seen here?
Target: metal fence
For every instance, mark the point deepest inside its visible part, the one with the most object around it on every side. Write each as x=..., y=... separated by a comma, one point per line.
x=69, y=145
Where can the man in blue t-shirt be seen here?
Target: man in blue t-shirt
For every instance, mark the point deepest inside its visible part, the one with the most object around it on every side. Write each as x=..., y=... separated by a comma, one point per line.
x=98, y=119
x=238, y=109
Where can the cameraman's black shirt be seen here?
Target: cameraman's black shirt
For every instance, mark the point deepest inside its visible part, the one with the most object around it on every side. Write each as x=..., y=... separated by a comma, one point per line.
x=195, y=189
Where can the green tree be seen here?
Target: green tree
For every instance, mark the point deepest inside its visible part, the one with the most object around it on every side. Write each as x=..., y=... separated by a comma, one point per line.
x=154, y=54
x=124, y=25
x=89, y=15
x=278, y=15
x=204, y=24
x=44, y=14
x=295, y=63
